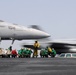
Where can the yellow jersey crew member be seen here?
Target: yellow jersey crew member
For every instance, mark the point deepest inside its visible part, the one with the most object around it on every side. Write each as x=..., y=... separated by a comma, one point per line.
x=36, y=46
x=49, y=50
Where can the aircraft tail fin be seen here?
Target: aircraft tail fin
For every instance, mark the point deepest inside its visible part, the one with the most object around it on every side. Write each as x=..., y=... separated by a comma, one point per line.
x=36, y=27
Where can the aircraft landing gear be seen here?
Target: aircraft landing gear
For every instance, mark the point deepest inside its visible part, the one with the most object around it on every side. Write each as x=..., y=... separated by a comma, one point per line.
x=12, y=41
x=0, y=40
x=10, y=48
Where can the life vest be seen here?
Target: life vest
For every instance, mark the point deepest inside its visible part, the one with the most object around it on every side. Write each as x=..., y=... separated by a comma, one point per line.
x=14, y=52
x=49, y=49
x=53, y=52
x=36, y=45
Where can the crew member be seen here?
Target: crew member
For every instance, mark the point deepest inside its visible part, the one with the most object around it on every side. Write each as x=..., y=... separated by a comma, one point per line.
x=49, y=50
x=53, y=53
x=10, y=48
x=36, y=46
x=14, y=53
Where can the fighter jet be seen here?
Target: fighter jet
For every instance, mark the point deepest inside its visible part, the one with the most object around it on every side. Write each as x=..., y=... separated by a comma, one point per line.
x=10, y=31
x=60, y=45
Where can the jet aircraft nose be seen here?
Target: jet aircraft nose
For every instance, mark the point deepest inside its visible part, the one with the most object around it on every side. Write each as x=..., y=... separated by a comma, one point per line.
x=40, y=34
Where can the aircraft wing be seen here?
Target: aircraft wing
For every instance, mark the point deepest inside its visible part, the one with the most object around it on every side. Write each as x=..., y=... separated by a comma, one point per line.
x=63, y=46
x=29, y=46
x=59, y=46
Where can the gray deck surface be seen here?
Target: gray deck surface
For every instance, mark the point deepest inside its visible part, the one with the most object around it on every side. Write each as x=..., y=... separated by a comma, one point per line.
x=37, y=66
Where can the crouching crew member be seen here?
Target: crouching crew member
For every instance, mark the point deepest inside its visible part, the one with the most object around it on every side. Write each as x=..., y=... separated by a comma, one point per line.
x=53, y=53
x=14, y=53
x=49, y=51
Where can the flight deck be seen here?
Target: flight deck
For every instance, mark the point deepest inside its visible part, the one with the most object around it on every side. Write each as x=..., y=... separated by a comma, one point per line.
x=37, y=66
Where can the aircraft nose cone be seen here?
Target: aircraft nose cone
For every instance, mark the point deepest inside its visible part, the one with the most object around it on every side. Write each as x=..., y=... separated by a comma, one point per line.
x=41, y=34
x=44, y=34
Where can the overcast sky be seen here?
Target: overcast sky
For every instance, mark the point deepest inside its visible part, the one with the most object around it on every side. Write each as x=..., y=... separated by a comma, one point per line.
x=56, y=17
